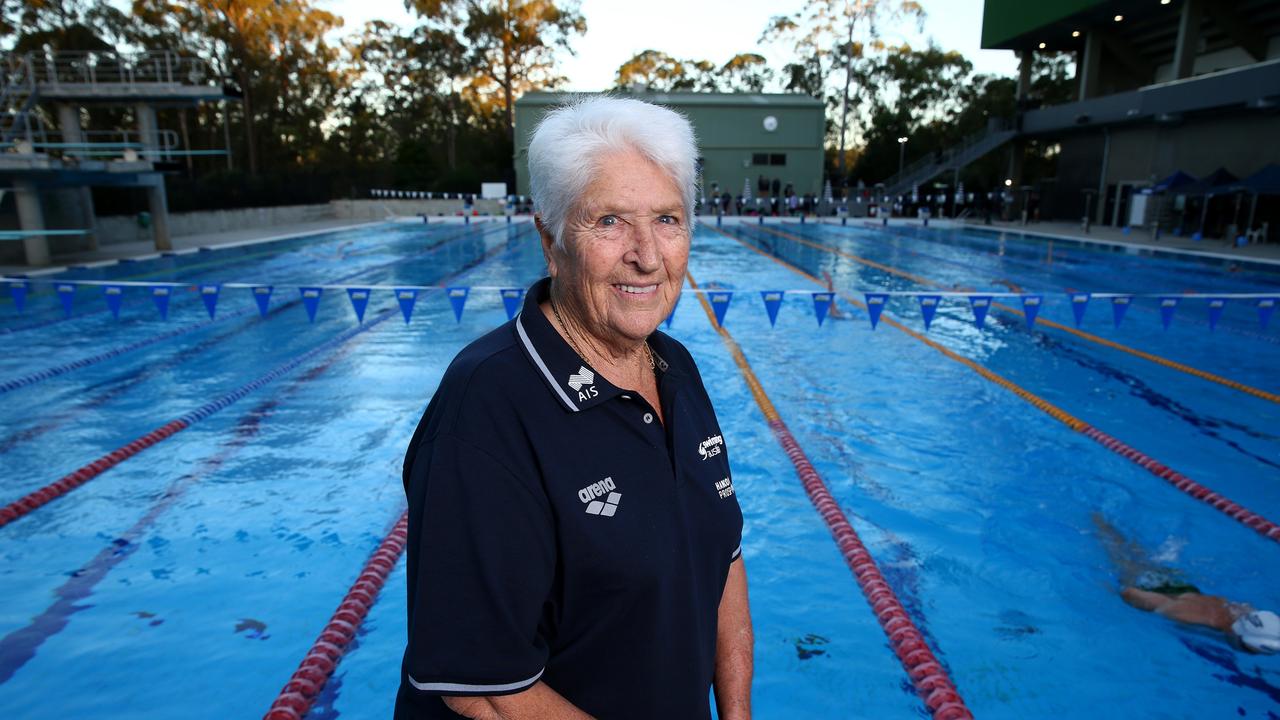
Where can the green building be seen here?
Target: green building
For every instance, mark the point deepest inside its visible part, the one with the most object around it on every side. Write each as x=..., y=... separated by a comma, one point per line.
x=741, y=137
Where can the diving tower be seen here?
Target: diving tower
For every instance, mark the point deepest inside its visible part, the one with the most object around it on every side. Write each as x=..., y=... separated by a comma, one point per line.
x=39, y=88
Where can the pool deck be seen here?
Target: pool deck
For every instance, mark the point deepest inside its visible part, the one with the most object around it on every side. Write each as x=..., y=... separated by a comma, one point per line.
x=185, y=244
x=1266, y=253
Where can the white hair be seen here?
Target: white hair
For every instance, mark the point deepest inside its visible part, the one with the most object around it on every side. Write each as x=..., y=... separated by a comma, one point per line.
x=567, y=146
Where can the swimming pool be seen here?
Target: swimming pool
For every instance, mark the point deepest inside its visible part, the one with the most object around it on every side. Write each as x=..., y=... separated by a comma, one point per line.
x=191, y=577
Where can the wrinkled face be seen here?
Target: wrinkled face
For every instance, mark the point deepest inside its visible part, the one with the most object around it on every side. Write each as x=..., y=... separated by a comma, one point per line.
x=626, y=246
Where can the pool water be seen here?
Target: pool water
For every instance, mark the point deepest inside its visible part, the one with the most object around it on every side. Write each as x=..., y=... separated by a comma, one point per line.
x=191, y=578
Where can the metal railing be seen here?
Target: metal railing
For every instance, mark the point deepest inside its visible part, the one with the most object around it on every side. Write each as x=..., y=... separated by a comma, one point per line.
x=927, y=167
x=99, y=68
x=100, y=144
x=18, y=100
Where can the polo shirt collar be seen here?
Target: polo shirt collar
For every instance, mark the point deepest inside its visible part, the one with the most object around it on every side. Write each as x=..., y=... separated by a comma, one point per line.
x=575, y=383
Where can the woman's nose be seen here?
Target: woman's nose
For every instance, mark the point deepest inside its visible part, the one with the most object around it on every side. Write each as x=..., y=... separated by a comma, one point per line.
x=644, y=247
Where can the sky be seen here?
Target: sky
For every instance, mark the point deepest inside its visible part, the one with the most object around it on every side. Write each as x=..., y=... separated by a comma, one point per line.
x=715, y=31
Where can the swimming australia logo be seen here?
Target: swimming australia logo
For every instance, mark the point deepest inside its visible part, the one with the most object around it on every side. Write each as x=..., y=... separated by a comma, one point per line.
x=583, y=377
x=710, y=447
x=609, y=505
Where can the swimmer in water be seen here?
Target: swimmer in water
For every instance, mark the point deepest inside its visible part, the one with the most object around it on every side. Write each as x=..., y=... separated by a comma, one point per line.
x=1164, y=592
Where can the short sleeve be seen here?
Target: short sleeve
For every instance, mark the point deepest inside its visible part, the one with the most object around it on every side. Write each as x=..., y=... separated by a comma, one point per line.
x=481, y=567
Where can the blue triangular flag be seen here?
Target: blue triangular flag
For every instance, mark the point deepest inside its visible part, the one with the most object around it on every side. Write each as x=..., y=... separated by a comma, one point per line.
x=66, y=293
x=772, y=303
x=1266, y=306
x=262, y=296
x=359, y=301
x=980, y=304
x=1031, y=308
x=114, y=295
x=160, y=296
x=1167, y=306
x=511, y=298
x=458, y=299
x=1119, y=304
x=310, y=300
x=672, y=315
x=209, y=293
x=1079, y=303
x=406, y=298
x=720, y=304
x=875, y=306
x=822, y=302
x=19, y=292
x=928, y=308
x=1216, y=306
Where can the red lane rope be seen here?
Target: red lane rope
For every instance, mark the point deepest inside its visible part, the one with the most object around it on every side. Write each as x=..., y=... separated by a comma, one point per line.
x=67, y=483
x=926, y=673
x=1228, y=506
x=54, y=490
x=318, y=665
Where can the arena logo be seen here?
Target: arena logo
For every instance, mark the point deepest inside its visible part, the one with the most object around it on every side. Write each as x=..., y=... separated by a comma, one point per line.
x=609, y=505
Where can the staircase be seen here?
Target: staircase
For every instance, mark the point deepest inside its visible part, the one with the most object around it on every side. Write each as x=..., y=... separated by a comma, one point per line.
x=935, y=164
x=18, y=96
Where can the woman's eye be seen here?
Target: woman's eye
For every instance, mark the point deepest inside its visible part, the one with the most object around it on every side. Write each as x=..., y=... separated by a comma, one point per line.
x=609, y=220
x=668, y=219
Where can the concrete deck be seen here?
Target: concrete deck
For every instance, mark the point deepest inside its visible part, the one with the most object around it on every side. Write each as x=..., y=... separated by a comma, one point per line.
x=1264, y=253
x=187, y=243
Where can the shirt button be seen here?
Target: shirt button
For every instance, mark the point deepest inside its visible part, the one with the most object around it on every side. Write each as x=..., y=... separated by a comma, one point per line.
x=648, y=418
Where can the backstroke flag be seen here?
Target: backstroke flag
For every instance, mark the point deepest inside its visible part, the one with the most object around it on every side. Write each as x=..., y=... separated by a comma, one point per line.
x=458, y=299
x=720, y=304
x=406, y=298
x=1079, y=303
x=19, y=292
x=262, y=296
x=66, y=293
x=114, y=294
x=209, y=293
x=929, y=308
x=1216, y=306
x=1031, y=308
x=822, y=302
x=980, y=304
x=875, y=306
x=1167, y=306
x=511, y=298
x=1119, y=304
x=1266, y=306
x=310, y=300
x=359, y=301
x=160, y=296
x=772, y=302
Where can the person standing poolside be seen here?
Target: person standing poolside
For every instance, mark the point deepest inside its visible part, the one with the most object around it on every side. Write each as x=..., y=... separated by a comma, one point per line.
x=575, y=541
x=1149, y=587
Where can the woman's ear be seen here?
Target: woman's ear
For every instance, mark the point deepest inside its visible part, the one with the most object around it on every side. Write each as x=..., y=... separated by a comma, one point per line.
x=548, y=244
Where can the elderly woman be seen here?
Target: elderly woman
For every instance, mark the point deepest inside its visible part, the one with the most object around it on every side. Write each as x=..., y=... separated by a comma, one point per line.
x=574, y=538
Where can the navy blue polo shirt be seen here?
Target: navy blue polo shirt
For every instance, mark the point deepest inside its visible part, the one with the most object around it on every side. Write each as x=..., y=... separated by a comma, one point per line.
x=558, y=531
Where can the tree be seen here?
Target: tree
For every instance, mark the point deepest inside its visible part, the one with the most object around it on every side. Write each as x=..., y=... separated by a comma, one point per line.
x=62, y=25
x=276, y=53
x=512, y=44
x=657, y=71
x=823, y=33
x=746, y=72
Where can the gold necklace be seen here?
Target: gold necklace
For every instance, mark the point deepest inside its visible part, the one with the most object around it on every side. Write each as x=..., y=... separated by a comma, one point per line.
x=556, y=311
